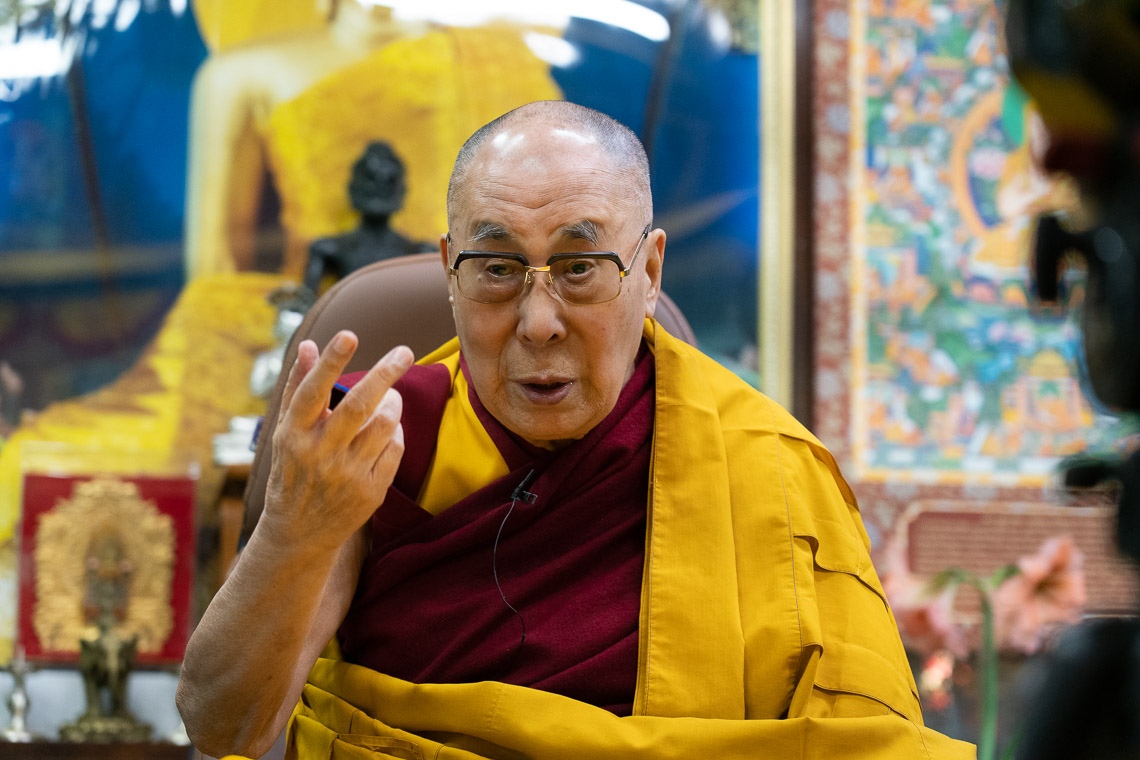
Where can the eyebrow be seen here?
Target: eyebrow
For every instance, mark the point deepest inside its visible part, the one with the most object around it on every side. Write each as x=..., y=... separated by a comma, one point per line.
x=490, y=231
x=584, y=229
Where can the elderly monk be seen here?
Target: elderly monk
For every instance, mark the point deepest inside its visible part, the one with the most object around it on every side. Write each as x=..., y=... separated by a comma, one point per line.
x=592, y=541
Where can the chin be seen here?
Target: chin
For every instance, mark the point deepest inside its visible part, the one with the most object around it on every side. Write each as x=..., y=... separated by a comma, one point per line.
x=550, y=435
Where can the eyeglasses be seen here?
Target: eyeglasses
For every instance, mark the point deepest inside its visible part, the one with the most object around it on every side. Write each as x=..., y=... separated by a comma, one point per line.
x=580, y=278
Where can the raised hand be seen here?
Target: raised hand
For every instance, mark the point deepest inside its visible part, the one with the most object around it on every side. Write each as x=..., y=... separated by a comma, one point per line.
x=331, y=468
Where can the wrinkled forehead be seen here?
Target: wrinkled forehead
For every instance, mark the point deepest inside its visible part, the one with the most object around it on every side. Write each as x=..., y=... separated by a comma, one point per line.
x=556, y=179
x=538, y=154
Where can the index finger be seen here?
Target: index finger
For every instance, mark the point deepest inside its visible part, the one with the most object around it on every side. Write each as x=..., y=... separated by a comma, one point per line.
x=311, y=397
x=303, y=363
x=357, y=406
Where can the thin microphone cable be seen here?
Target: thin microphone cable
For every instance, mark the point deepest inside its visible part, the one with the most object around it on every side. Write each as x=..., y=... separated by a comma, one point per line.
x=518, y=494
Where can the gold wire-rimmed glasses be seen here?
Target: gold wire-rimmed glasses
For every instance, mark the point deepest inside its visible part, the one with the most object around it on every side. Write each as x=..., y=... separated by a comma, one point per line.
x=589, y=277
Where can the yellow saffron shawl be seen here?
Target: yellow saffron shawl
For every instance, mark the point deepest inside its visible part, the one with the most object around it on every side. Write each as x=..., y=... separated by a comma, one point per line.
x=764, y=630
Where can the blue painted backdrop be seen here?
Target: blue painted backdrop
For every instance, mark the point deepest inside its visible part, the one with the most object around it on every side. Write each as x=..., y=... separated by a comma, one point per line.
x=692, y=100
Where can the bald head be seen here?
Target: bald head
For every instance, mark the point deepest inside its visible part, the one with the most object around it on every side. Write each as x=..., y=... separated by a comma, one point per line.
x=617, y=141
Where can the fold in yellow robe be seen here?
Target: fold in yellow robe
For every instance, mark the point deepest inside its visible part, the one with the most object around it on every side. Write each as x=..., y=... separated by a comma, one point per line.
x=764, y=630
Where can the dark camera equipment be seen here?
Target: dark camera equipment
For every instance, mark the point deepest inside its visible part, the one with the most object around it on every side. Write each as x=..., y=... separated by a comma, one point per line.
x=1080, y=61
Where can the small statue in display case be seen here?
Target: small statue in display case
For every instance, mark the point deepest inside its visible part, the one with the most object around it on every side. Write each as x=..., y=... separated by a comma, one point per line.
x=377, y=191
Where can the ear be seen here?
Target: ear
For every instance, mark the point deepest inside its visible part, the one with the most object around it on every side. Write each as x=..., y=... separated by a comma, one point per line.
x=654, y=258
x=444, y=241
x=444, y=257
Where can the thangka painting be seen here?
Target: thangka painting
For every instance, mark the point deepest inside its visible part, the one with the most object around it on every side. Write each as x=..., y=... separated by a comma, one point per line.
x=955, y=377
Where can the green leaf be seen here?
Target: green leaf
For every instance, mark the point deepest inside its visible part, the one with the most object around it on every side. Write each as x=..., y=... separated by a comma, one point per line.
x=1003, y=574
x=950, y=578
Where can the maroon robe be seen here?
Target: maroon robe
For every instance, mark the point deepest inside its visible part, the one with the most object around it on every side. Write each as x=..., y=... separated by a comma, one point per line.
x=563, y=616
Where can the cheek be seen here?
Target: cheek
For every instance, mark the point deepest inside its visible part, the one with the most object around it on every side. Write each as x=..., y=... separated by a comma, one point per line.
x=610, y=360
x=484, y=340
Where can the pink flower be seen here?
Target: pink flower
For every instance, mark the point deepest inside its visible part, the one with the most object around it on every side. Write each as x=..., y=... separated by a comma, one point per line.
x=925, y=618
x=1048, y=592
x=936, y=680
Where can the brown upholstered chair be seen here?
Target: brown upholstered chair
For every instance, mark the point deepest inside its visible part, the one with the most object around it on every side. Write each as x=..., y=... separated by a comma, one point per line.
x=401, y=300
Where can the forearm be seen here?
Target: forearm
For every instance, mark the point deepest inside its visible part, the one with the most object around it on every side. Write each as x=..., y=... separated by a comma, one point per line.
x=246, y=663
x=248, y=658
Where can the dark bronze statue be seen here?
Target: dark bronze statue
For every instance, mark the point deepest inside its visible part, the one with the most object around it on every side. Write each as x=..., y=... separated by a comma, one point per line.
x=377, y=191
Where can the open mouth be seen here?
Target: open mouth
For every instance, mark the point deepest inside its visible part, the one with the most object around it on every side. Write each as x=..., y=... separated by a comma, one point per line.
x=545, y=387
x=546, y=393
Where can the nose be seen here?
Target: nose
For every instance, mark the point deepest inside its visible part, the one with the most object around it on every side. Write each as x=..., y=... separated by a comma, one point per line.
x=540, y=312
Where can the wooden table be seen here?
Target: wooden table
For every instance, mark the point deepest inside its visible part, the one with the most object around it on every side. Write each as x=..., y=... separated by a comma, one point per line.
x=83, y=751
x=231, y=512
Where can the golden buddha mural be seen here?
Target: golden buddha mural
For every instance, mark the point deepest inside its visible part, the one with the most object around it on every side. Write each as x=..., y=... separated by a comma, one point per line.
x=289, y=97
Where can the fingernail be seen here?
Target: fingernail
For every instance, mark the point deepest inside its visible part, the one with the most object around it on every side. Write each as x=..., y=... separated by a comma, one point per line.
x=402, y=356
x=342, y=342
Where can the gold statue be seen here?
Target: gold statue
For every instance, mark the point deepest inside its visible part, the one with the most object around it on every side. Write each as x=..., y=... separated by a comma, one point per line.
x=105, y=654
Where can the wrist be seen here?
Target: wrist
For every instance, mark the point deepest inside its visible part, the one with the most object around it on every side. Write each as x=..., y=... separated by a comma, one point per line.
x=293, y=543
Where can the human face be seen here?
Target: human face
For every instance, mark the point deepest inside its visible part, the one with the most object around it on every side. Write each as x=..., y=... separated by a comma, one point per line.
x=550, y=371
